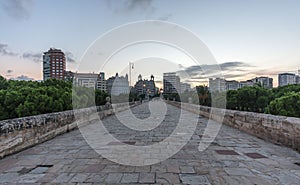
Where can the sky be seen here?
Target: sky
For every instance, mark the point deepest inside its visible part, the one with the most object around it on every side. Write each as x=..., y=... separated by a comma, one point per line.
x=247, y=38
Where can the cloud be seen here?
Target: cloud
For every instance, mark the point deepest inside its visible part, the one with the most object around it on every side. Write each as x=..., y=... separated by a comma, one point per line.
x=5, y=52
x=129, y=6
x=200, y=73
x=17, y=9
x=70, y=57
x=36, y=57
x=234, y=65
x=9, y=71
x=22, y=78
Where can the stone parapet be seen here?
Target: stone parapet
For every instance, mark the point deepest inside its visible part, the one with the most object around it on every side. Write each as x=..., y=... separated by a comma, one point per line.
x=21, y=133
x=276, y=129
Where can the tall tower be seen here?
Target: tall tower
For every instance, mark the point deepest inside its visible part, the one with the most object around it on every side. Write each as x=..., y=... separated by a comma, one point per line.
x=54, y=64
x=152, y=78
x=140, y=77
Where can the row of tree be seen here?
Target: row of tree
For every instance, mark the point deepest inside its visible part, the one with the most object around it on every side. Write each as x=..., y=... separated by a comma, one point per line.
x=23, y=98
x=278, y=101
x=26, y=98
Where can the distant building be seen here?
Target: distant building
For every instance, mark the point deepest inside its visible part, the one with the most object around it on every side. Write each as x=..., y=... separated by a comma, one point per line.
x=286, y=79
x=145, y=86
x=88, y=80
x=54, y=64
x=297, y=79
x=217, y=85
x=247, y=83
x=231, y=85
x=69, y=75
x=185, y=87
x=117, y=85
x=101, y=83
x=171, y=83
x=265, y=82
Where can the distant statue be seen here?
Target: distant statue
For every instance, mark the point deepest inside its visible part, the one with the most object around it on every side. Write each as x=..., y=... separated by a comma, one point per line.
x=108, y=104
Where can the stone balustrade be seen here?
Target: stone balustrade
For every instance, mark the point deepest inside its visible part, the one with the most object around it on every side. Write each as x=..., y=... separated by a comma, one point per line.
x=21, y=133
x=276, y=129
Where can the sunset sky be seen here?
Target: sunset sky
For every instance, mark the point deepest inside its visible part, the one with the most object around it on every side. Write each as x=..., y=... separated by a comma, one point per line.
x=248, y=38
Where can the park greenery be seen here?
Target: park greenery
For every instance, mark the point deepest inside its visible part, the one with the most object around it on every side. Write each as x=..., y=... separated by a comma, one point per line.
x=283, y=101
x=27, y=98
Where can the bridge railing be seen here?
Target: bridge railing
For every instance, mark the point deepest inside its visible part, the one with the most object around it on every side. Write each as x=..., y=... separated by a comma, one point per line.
x=21, y=133
x=276, y=129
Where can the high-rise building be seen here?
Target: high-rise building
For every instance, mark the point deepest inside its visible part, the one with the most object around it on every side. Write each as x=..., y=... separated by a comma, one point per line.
x=101, y=82
x=54, y=64
x=117, y=85
x=265, y=82
x=286, y=79
x=171, y=83
x=217, y=85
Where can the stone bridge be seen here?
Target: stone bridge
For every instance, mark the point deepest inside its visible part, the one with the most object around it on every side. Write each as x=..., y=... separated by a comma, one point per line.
x=234, y=157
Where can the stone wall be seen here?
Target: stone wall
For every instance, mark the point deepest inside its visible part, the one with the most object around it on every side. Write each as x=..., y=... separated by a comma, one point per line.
x=21, y=133
x=276, y=129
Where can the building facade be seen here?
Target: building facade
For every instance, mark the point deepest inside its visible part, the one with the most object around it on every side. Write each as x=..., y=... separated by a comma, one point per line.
x=232, y=85
x=117, y=85
x=265, y=82
x=88, y=80
x=146, y=87
x=217, y=85
x=286, y=79
x=54, y=64
x=171, y=83
x=101, y=83
x=247, y=83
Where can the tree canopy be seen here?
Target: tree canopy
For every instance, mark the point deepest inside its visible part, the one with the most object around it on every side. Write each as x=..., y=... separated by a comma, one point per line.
x=27, y=98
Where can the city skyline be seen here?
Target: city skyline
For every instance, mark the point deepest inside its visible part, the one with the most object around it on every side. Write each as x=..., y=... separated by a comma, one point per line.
x=262, y=41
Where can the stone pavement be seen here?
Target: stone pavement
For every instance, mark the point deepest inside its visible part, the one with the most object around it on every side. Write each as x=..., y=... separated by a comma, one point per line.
x=232, y=158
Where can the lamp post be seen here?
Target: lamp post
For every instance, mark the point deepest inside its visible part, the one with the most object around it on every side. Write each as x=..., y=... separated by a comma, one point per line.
x=131, y=66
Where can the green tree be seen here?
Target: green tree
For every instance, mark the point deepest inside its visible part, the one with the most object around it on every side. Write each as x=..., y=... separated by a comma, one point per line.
x=232, y=101
x=286, y=105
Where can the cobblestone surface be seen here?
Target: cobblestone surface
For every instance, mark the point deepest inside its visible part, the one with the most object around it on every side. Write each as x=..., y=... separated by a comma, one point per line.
x=68, y=159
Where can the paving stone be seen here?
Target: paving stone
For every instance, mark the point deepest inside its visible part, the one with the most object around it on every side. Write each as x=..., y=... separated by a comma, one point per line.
x=168, y=178
x=187, y=169
x=96, y=178
x=147, y=178
x=79, y=177
x=114, y=177
x=63, y=178
x=173, y=168
x=8, y=177
x=39, y=170
x=226, y=152
x=48, y=177
x=238, y=171
x=30, y=178
x=130, y=178
x=255, y=155
x=93, y=168
x=194, y=179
